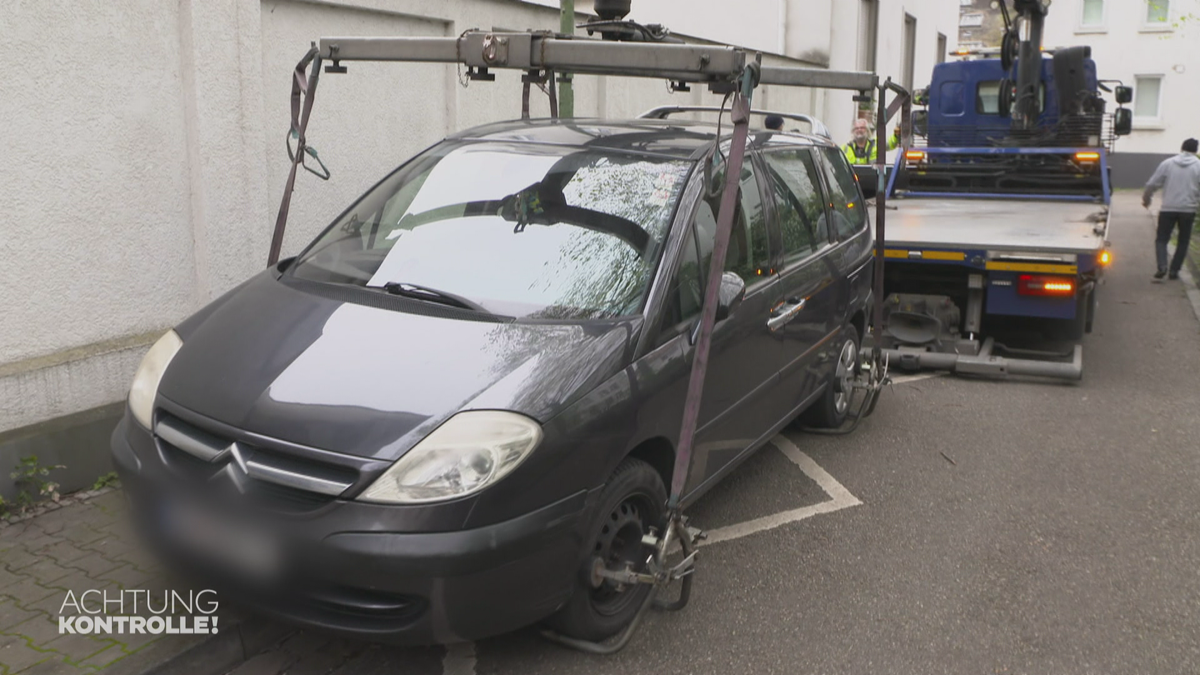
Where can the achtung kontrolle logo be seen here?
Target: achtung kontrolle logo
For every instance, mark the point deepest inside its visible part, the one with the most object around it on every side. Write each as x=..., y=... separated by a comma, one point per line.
x=138, y=611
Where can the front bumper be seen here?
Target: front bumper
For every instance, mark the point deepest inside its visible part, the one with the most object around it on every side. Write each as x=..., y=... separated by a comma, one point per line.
x=335, y=570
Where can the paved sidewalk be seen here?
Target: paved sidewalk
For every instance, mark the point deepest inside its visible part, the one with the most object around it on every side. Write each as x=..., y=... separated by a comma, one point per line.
x=85, y=543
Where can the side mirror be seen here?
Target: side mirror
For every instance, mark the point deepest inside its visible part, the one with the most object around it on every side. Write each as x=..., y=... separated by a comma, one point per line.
x=920, y=122
x=1122, y=121
x=868, y=179
x=730, y=296
x=1124, y=94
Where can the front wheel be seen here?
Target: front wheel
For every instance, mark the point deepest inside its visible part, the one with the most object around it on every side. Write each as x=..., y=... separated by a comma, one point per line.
x=830, y=411
x=633, y=501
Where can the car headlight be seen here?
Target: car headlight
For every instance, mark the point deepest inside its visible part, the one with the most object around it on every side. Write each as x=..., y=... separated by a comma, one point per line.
x=149, y=374
x=469, y=452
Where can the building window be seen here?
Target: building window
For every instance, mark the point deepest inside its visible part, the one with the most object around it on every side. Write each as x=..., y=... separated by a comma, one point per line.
x=1147, y=99
x=910, y=50
x=1158, y=13
x=941, y=48
x=868, y=34
x=1093, y=14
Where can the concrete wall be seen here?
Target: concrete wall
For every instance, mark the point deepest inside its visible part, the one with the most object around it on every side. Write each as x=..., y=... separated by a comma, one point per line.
x=144, y=152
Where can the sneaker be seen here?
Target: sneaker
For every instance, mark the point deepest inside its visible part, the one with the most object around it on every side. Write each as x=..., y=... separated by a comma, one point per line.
x=1160, y=274
x=1173, y=275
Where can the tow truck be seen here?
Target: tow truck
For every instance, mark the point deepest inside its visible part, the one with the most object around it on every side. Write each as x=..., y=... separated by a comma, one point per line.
x=1002, y=199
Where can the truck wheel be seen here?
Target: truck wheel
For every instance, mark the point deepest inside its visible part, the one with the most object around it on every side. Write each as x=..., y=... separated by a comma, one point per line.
x=1091, y=311
x=830, y=411
x=1073, y=330
x=633, y=501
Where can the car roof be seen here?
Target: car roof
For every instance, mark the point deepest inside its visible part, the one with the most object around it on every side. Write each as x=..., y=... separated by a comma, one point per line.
x=671, y=138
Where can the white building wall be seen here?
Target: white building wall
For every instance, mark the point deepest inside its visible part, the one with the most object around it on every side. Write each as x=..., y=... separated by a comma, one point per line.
x=1124, y=46
x=145, y=161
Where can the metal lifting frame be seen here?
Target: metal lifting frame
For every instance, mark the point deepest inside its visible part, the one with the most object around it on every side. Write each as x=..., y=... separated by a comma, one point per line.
x=725, y=70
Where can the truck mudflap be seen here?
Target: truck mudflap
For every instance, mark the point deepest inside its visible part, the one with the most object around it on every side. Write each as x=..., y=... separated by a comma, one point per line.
x=987, y=361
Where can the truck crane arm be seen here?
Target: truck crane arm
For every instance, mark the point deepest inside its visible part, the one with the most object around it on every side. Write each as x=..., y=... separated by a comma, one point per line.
x=1030, y=24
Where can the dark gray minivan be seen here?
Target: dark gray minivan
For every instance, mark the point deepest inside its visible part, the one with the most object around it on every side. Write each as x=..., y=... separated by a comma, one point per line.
x=428, y=425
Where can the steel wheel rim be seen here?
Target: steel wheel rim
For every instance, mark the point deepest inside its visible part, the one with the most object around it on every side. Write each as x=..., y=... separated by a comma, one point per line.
x=843, y=378
x=620, y=542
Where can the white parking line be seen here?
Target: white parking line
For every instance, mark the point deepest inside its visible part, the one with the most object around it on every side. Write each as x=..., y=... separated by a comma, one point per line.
x=905, y=379
x=460, y=657
x=841, y=499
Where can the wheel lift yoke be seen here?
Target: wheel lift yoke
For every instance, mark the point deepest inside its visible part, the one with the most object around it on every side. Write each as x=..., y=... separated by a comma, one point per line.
x=726, y=70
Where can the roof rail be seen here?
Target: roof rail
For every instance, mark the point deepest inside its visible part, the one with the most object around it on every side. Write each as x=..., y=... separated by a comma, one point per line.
x=662, y=112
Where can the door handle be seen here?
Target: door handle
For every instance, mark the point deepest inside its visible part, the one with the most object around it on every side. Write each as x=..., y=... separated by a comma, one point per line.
x=781, y=315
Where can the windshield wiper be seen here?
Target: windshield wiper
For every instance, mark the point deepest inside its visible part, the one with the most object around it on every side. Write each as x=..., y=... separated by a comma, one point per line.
x=432, y=295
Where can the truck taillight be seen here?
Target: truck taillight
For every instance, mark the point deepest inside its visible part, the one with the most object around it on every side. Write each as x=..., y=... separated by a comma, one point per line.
x=1030, y=284
x=914, y=156
x=1105, y=258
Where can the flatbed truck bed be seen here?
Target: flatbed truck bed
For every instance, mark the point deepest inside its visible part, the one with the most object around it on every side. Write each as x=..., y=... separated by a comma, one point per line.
x=997, y=224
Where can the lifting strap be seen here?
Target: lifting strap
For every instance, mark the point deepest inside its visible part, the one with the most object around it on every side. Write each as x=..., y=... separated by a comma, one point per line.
x=301, y=89
x=740, y=114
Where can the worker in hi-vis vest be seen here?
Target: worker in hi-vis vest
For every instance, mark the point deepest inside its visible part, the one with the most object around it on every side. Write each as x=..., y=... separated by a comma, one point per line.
x=862, y=149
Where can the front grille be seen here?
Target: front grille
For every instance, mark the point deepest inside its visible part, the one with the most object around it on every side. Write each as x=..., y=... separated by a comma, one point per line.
x=266, y=476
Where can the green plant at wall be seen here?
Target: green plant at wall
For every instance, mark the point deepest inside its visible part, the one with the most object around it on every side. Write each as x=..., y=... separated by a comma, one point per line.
x=1180, y=15
x=32, y=485
x=106, y=480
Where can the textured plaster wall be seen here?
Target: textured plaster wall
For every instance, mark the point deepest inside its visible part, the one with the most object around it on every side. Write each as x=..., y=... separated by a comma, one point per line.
x=144, y=155
x=95, y=234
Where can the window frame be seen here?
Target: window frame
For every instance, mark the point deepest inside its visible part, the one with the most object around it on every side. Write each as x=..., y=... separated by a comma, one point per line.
x=1100, y=27
x=908, y=49
x=979, y=101
x=779, y=263
x=836, y=238
x=1156, y=122
x=1148, y=26
x=868, y=34
x=662, y=332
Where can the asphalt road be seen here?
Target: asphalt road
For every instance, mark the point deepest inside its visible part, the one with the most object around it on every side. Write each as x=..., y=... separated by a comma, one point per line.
x=1004, y=527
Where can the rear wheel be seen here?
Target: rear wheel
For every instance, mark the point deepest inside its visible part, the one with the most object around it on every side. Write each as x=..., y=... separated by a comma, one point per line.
x=632, y=502
x=830, y=411
x=1091, y=311
x=1073, y=330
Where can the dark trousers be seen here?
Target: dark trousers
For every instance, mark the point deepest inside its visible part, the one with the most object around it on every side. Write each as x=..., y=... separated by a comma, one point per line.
x=1167, y=220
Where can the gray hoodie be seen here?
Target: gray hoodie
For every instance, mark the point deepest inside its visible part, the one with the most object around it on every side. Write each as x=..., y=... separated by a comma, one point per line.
x=1179, y=178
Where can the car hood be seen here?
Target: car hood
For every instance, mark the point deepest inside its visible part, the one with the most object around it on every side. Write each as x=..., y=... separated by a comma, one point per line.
x=333, y=374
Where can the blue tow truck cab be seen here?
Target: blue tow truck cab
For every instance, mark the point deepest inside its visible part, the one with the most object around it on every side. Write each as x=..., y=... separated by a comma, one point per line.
x=965, y=97
x=1002, y=216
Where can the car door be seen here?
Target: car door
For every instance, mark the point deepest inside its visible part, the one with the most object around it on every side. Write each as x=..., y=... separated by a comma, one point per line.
x=852, y=252
x=742, y=373
x=802, y=324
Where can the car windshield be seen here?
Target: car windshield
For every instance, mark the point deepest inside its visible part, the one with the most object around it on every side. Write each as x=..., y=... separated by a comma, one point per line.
x=519, y=229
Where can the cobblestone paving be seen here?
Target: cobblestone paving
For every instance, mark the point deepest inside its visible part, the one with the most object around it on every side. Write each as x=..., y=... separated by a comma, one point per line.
x=78, y=546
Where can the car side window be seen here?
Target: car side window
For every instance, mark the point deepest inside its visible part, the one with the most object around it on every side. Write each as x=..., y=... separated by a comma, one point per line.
x=749, y=254
x=685, y=295
x=849, y=213
x=797, y=190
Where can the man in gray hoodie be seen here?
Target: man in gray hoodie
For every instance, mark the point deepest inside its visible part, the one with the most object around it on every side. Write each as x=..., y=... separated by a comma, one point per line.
x=1179, y=179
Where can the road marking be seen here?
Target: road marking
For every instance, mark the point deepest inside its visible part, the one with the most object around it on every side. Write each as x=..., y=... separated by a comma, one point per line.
x=459, y=659
x=840, y=499
x=905, y=379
